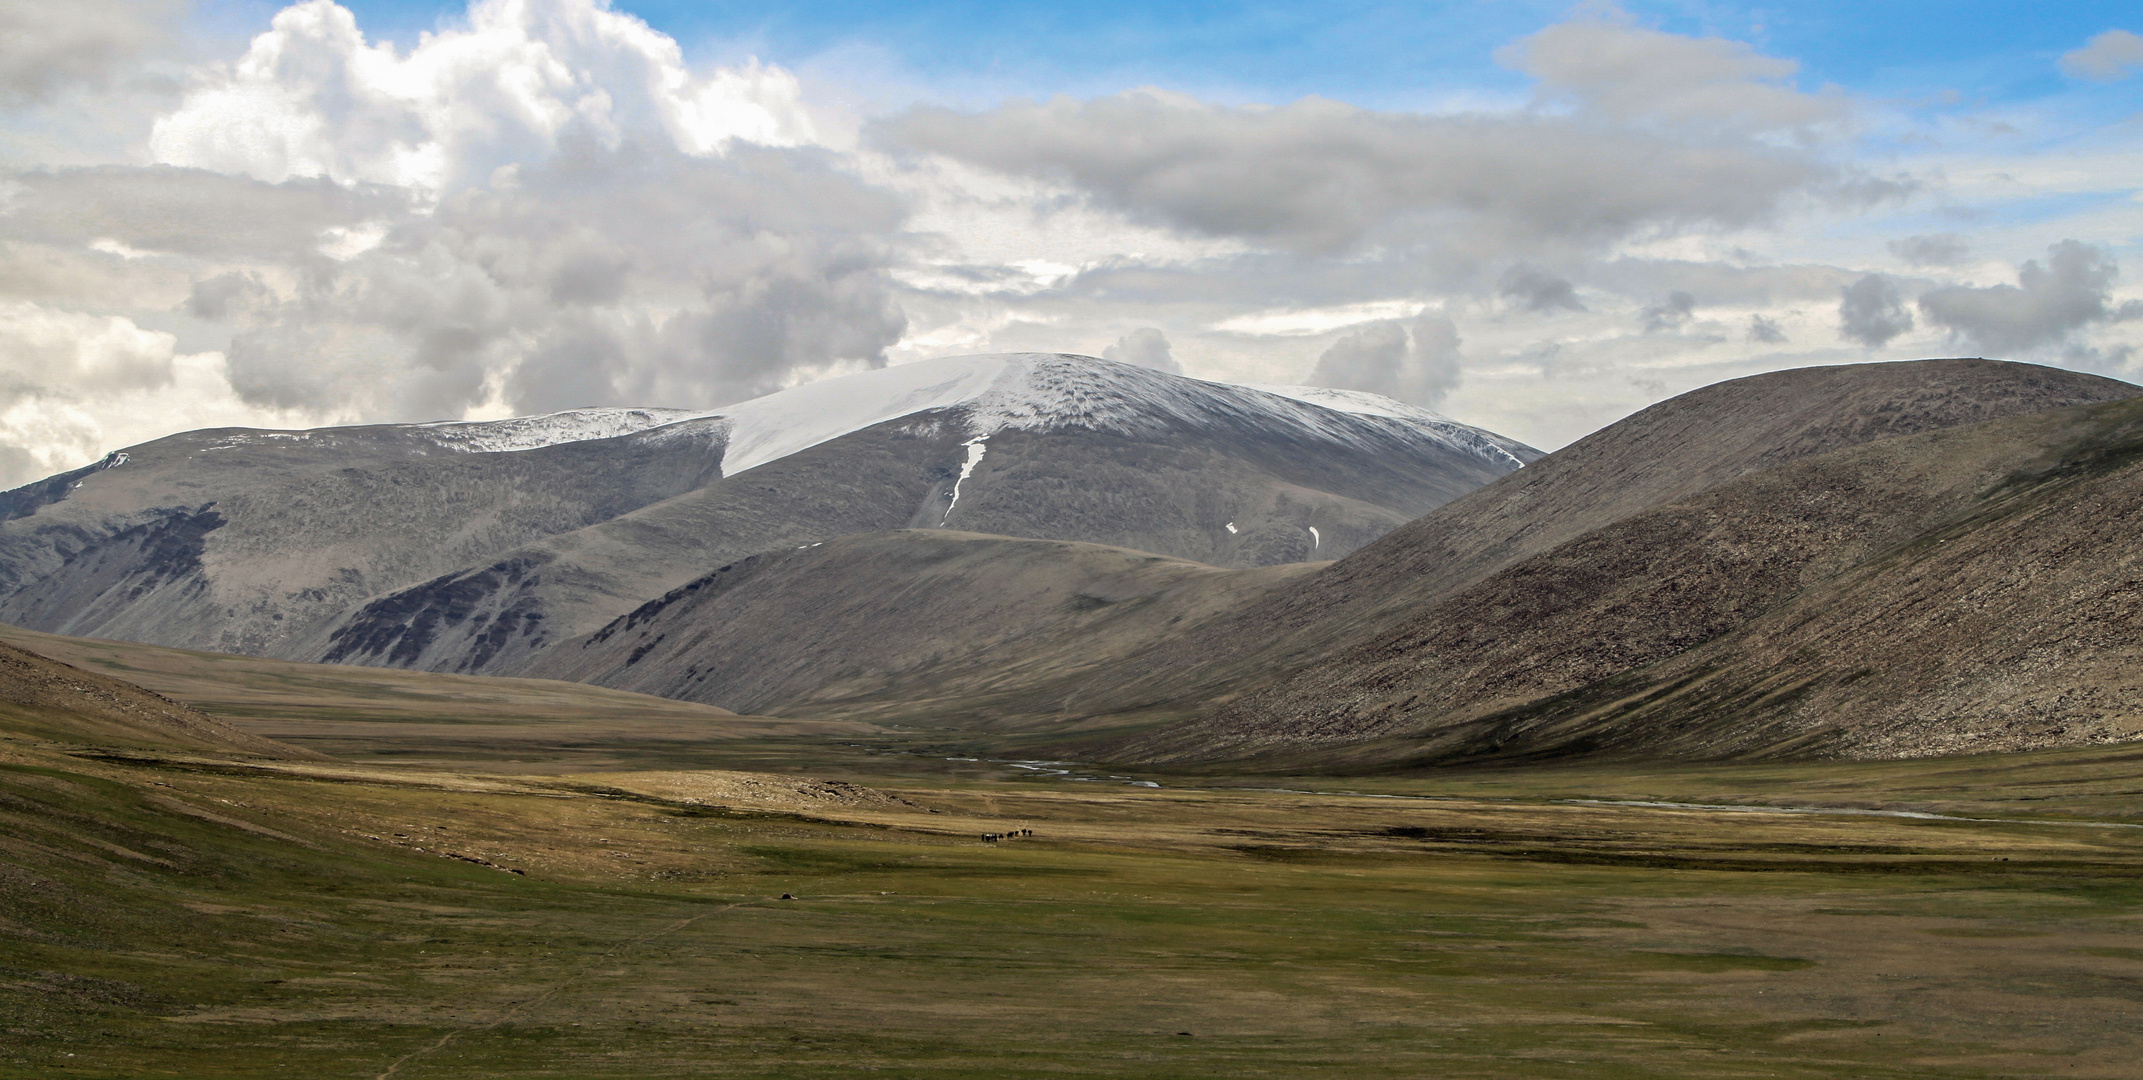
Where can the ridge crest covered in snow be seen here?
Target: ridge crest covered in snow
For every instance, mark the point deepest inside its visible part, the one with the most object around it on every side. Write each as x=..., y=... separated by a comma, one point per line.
x=992, y=392
x=1049, y=391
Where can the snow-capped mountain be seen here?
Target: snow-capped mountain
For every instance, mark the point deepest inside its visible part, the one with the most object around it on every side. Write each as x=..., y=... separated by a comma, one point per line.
x=1039, y=392
x=465, y=545
x=1019, y=391
x=1872, y=560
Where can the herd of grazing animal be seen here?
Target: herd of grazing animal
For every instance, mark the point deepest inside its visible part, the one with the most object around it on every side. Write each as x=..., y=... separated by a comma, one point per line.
x=987, y=838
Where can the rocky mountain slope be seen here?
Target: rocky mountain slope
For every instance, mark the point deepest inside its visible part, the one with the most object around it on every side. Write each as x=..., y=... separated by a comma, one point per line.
x=471, y=547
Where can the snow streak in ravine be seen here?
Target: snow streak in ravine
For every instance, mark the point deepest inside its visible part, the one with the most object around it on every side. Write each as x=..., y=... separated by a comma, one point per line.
x=975, y=449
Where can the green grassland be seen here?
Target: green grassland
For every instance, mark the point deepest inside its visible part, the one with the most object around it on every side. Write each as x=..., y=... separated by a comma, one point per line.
x=184, y=915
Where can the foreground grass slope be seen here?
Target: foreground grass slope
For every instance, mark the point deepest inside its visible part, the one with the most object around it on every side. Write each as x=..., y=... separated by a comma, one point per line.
x=176, y=913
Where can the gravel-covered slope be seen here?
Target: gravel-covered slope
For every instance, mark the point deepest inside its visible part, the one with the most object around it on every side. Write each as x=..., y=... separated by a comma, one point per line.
x=955, y=626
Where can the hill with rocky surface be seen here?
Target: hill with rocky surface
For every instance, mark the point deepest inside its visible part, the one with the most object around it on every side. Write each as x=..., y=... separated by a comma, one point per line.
x=1670, y=451
x=1036, y=446
x=249, y=541
x=1963, y=588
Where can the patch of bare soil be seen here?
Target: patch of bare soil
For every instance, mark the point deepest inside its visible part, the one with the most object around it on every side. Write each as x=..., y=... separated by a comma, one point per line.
x=744, y=789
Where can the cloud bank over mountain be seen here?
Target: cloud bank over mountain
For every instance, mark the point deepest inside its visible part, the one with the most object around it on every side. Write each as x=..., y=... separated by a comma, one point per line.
x=539, y=204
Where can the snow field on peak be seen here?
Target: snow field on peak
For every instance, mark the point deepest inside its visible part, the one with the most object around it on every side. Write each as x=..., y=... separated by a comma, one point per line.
x=1046, y=391
x=773, y=427
x=1019, y=391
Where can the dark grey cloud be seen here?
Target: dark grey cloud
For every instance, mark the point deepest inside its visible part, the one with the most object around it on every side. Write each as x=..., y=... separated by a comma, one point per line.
x=2050, y=301
x=1319, y=176
x=1937, y=249
x=2117, y=361
x=1871, y=312
x=1754, y=285
x=1669, y=313
x=1766, y=330
x=1146, y=347
x=189, y=211
x=1534, y=289
x=234, y=295
x=604, y=276
x=1414, y=360
x=49, y=47
x=18, y=467
x=2109, y=57
x=1603, y=64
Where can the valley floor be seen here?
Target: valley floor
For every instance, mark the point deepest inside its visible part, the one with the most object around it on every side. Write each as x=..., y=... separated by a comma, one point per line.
x=172, y=915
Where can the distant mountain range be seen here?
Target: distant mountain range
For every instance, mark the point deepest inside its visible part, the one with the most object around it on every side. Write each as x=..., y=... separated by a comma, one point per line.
x=475, y=547
x=1868, y=560
x=1876, y=560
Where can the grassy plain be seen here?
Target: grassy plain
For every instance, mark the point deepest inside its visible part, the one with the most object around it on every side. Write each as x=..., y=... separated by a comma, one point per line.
x=178, y=915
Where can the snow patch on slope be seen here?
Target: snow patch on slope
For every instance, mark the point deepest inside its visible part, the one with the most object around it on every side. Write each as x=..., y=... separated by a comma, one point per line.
x=550, y=429
x=975, y=449
x=1483, y=444
x=1358, y=402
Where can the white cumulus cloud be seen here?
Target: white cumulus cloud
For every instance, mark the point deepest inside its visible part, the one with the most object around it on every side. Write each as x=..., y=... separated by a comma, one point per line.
x=2071, y=290
x=1414, y=360
x=311, y=97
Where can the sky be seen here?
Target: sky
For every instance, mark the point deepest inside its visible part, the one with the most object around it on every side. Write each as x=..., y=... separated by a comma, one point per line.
x=1534, y=217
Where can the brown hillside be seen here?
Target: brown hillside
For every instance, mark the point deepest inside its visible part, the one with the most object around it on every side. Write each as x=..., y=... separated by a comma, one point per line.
x=1665, y=453
x=1967, y=589
x=45, y=699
